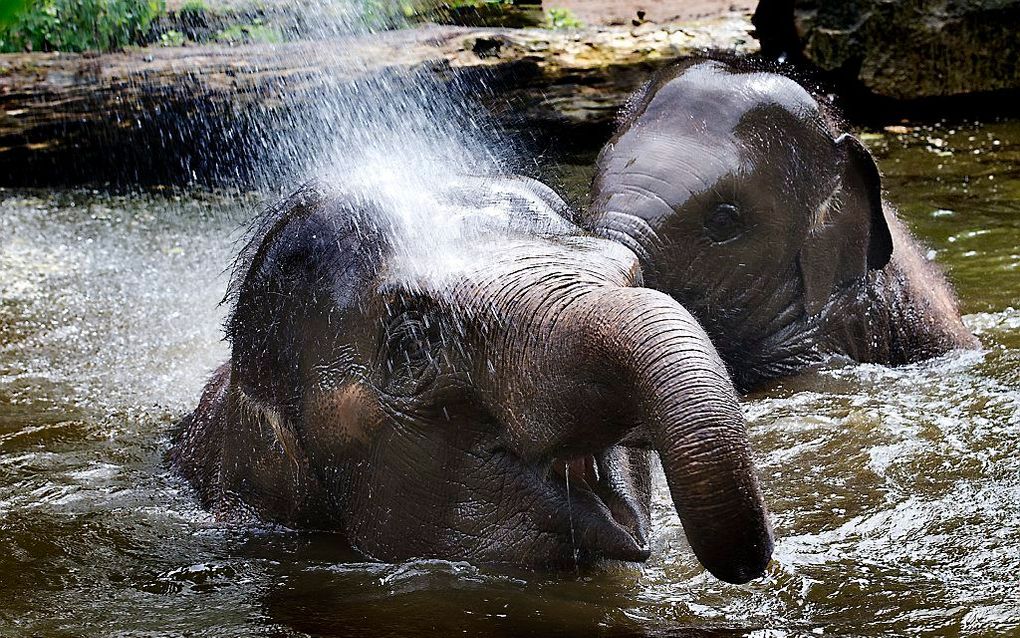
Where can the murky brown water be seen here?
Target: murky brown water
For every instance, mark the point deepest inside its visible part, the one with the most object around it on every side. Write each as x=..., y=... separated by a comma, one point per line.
x=896, y=492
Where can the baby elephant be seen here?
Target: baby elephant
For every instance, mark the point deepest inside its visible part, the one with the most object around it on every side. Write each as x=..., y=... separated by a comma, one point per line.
x=745, y=203
x=492, y=398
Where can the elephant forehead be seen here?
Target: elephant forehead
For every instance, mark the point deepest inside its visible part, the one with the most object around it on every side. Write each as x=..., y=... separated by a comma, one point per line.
x=650, y=163
x=710, y=96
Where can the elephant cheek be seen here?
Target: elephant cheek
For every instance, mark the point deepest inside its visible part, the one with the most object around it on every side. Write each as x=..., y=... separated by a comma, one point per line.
x=344, y=418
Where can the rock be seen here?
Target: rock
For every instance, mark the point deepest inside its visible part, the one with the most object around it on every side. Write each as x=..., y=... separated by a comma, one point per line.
x=902, y=49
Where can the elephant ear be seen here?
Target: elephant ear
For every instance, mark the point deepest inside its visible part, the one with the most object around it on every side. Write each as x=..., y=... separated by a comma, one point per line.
x=849, y=234
x=307, y=263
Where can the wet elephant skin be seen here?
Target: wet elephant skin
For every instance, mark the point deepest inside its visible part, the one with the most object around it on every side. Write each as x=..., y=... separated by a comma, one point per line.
x=423, y=403
x=748, y=205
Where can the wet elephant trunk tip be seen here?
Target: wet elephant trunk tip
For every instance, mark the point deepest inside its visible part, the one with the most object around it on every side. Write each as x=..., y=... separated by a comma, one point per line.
x=737, y=548
x=748, y=561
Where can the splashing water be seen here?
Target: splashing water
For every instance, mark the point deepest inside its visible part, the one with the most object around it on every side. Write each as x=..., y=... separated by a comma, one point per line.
x=393, y=136
x=399, y=143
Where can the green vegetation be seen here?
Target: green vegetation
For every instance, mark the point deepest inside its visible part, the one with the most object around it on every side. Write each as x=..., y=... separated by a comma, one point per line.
x=486, y=13
x=79, y=25
x=475, y=4
x=107, y=25
x=193, y=6
x=249, y=33
x=172, y=38
x=10, y=10
x=556, y=18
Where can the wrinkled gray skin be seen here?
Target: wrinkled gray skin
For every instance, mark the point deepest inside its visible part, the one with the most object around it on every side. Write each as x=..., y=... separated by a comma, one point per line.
x=746, y=205
x=434, y=414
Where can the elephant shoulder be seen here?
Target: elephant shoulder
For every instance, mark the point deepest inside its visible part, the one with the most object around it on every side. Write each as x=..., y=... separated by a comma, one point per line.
x=196, y=440
x=242, y=461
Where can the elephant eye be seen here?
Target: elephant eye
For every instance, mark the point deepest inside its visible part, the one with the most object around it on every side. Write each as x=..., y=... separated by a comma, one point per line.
x=409, y=353
x=724, y=223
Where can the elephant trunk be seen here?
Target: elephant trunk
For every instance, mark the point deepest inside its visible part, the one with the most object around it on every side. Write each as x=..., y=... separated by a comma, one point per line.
x=683, y=398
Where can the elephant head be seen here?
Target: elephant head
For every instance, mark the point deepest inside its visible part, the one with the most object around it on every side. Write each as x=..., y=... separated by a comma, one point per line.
x=742, y=201
x=488, y=399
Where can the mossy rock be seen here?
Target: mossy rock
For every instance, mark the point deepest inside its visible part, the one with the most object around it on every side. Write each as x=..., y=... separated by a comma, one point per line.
x=901, y=49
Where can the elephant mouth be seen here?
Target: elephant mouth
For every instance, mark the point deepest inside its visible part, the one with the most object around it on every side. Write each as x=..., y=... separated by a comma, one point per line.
x=606, y=513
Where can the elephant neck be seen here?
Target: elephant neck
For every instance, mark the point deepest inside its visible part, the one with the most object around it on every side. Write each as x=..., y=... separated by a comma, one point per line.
x=903, y=313
x=791, y=347
x=874, y=320
x=759, y=336
x=900, y=314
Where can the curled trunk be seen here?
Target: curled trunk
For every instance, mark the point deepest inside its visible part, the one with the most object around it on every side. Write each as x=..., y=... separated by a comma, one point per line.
x=684, y=400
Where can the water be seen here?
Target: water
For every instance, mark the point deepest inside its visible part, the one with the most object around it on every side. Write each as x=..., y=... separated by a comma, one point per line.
x=895, y=492
x=383, y=127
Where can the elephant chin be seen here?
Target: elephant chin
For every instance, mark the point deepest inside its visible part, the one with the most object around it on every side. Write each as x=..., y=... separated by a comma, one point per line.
x=607, y=518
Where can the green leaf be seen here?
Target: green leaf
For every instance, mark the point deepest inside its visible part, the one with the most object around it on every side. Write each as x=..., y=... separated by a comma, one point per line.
x=10, y=10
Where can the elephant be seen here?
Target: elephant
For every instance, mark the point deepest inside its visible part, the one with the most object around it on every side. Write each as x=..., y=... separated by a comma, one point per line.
x=745, y=202
x=494, y=398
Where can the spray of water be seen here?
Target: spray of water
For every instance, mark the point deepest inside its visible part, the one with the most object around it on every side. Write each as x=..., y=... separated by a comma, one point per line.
x=396, y=141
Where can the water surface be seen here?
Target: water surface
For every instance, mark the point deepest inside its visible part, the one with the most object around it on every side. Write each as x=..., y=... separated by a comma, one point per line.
x=895, y=492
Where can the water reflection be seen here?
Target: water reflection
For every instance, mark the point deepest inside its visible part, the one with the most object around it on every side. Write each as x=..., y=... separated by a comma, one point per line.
x=896, y=492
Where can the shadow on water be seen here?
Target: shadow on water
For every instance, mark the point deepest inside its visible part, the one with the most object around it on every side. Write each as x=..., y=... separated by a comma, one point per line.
x=327, y=597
